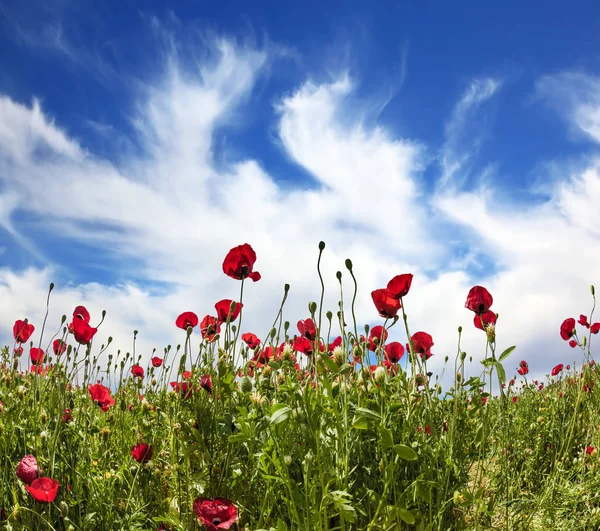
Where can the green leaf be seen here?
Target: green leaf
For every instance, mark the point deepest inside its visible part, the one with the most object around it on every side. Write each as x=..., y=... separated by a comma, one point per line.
x=424, y=492
x=406, y=453
x=367, y=413
x=406, y=515
x=501, y=373
x=329, y=363
x=281, y=414
x=386, y=439
x=506, y=353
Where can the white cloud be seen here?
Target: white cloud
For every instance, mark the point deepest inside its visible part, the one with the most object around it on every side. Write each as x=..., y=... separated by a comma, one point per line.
x=176, y=213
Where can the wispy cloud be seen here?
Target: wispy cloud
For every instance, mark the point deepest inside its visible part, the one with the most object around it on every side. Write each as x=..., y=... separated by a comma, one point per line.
x=462, y=139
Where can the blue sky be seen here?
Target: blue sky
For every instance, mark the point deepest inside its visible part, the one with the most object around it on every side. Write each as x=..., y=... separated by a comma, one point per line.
x=140, y=143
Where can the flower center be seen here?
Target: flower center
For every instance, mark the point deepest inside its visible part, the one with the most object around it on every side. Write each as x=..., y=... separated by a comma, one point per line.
x=216, y=521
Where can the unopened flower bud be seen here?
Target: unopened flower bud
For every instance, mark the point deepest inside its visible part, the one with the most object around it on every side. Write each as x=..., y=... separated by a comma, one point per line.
x=338, y=356
x=380, y=375
x=246, y=385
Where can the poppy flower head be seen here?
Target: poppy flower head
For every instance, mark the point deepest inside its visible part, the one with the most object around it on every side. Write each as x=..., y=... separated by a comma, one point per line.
x=82, y=331
x=209, y=328
x=307, y=329
x=58, y=347
x=37, y=355
x=377, y=337
x=394, y=352
x=589, y=450
x=206, y=383
x=556, y=370
x=523, y=368
x=186, y=319
x=567, y=328
x=595, y=328
x=219, y=513
x=337, y=342
x=479, y=300
x=572, y=343
x=137, y=371
x=224, y=310
x=385, y=302
x=399, y=286
x=156, y=361
x=43, y=490
x=239, y=263
x=184, y=389
x=141, y=452
x=101, y=394
x=422, y=343
x=28, y=470
x=251, y=340
x=583, y=321
x=22, y=331
x=488, y=318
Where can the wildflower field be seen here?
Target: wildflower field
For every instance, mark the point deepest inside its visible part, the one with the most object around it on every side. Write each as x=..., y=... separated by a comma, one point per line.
x=321, y=425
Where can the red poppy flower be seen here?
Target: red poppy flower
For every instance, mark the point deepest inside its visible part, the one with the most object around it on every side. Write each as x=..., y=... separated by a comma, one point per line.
x=67, y=417
x=567, y=328
x=28, y=470
x=59, y=347
x=251, y=340
x=184, y=389
x=387, y=305
x=43, y=489
x=514, y=399
x=523, y=368
x=583, y=321
x=22, y=331
x=141, y=452
x=589, y=450
x=219, y=513
x=479, y=300
x=18, y=351
x=377, y=337
x=187, y=319
x=224, y=310
x=572, y=343
x=156, y=361
x=209, y=328
x=557, y=369
x=137, y=371
x=400, y=285
x=488, y=318
x=394, y=351
x=595, y=328
x=206, y=383
x=101, y=394
x=82, y=331
x=304, y=345
x=239, y=262
x=36, y=355
x=337, y=342
x=307, y=329
x=422, y=343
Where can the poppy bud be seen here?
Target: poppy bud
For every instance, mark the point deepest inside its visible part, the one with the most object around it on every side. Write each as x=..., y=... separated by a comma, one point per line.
x=64, y=509
x=312, y=307
x=339, y=275
x=246, y=385
x=593, y=290
x=446, y=359
x=321, y=246
x=286, y=288
x=286, y=326
x=348, y=264
x=584, y=341
x=329, y=316
x=460, y=329
x=273, y=332
x=380, y=374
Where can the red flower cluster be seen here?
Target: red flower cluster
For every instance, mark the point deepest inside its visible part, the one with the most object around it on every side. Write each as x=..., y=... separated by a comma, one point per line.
x=43, y=490
x=479, y=301
x=523, y=368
